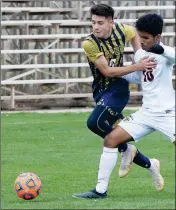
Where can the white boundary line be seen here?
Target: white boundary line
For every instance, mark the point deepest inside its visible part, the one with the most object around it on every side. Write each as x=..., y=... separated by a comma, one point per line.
x=72, y=110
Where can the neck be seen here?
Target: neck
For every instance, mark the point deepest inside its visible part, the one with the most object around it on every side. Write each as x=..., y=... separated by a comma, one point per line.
x=108, y=35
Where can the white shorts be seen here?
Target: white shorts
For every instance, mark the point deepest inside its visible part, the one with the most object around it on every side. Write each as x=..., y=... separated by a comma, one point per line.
x=142, y=123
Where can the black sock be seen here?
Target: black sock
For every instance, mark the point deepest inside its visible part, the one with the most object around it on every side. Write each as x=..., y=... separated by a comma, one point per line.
x=122, y=147
x=141, y=160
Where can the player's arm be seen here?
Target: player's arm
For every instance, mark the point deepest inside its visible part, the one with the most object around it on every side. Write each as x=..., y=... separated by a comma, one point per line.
x=135, y=42
x=97, y=57
x=169, y=53
x=102, y=64
x=166, y=51
x=133, y=77
x=132, y=36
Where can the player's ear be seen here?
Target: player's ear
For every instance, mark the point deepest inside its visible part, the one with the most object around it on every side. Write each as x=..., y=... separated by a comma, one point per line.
x=158, y=37
x=111, y=22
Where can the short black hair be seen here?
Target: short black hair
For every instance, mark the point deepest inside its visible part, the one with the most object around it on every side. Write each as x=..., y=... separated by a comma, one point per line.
x=150, y=23
x=102, y=10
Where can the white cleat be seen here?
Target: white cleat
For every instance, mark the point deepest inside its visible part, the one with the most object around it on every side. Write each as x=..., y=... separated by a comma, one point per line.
x=154, y=170
x=127, y=160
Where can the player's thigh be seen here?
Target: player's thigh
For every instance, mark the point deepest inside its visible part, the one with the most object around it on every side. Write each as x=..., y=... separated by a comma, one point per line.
x=135, y=126
x=166, y=125
x=101, y=114
x=117, y=136
x=115, y=102
x=110, y=108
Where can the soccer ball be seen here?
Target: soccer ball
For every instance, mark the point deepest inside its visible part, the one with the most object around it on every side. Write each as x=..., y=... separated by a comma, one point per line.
x=27, y=186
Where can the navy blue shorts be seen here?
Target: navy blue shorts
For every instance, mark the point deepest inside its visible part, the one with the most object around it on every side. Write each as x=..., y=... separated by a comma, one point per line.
x=114, y=101
x=107, y=111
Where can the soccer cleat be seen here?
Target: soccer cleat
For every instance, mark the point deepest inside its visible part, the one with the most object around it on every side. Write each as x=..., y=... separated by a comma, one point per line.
x=127, y=160
x=93, y=194
x=154, y=170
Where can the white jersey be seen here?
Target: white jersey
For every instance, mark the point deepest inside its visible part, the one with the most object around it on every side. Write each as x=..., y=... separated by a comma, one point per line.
x=157, y=88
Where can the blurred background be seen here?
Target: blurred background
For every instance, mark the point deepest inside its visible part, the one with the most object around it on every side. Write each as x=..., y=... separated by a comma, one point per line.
x=43, y=65
x=44, y=69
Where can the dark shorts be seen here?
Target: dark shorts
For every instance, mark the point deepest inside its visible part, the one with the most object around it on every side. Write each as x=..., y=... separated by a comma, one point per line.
x=114, y=101
x=107, y=111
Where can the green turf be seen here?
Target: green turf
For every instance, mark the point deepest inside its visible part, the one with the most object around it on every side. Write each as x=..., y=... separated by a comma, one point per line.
x=65, y=155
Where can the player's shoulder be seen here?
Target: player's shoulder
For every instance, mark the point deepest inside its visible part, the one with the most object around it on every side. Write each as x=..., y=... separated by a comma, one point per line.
x=139, y=54
x=88, y=38
x=124, y=27
x=166, y=46
x=91, y=45
x=140, y=51
x=120, y=25
x=117, y=23
x=88, y=42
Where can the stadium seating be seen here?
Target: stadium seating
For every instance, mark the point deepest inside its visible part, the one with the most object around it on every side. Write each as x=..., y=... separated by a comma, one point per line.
x=78, y=23
x=59, y=36
x=64, y=23
x=66, y=50
x=139, y=8
x=7, y=10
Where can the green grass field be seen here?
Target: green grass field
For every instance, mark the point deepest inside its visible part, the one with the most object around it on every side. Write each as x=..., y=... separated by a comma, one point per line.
x=65, y=155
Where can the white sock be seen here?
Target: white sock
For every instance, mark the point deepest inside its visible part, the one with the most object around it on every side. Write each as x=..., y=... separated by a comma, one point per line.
x=107, y=163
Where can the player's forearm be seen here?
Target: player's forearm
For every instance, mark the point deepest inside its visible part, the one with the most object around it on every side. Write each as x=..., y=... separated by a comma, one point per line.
x=121, y=71
x=102, y=65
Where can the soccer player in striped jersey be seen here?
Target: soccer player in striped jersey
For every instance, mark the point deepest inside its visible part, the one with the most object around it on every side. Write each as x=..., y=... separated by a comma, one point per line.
x=104, y=48
x=158, y=109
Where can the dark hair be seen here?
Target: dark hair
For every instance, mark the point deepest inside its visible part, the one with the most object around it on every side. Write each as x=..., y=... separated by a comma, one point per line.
x=102, y=10
x=150, y=23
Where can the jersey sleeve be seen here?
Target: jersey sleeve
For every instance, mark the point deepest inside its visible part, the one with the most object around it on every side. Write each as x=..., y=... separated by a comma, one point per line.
x=91, y=50
x=138, y=55
x=133, y=77
x=169, y=53
x=129, y=32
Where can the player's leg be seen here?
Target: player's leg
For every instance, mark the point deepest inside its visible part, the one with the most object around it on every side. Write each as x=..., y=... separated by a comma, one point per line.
x=117, y=136
x=107, y=163
x=129, y=154
x=138, y=125
x=166, y=125
x=101, y=122
x=108, y=157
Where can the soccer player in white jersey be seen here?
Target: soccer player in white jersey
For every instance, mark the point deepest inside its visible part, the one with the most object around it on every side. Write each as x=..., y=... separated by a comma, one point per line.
x=156, y=114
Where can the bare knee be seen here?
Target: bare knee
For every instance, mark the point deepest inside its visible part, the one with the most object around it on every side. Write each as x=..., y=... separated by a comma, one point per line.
x=117, y=136
x=109, y=141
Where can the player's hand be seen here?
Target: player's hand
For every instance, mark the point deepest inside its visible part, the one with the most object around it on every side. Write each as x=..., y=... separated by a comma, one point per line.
x=157, y=49
x=146, y=63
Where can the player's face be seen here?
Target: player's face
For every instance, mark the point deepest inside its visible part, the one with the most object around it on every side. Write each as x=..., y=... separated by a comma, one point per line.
x=147, y=40
x=102, y=26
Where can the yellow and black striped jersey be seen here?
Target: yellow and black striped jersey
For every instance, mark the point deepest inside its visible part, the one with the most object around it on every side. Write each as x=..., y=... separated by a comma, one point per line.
x=112, y=48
